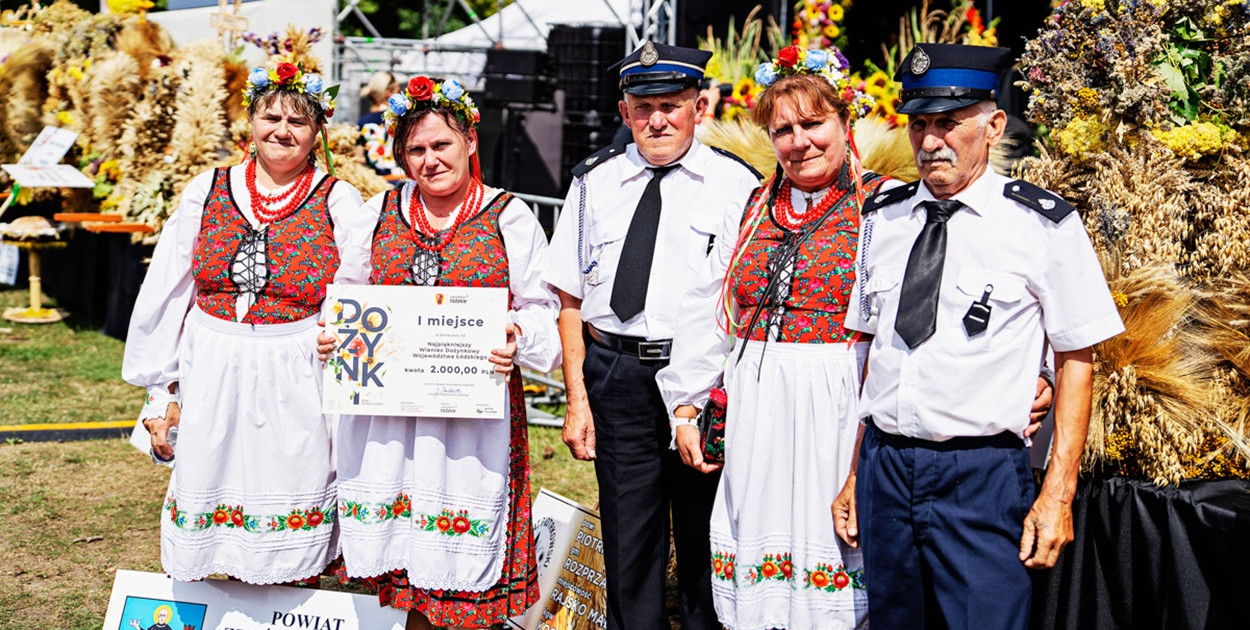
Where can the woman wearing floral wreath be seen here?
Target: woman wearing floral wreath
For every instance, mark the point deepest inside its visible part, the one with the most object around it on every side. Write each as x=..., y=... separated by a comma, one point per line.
x=780, y=278
x=435, y=512
x=222, y=332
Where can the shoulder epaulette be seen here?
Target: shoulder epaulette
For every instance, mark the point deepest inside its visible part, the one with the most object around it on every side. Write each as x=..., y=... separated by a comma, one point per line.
x=1046, y=203
x=735, y=157
x=599, y=157
x=889, y=197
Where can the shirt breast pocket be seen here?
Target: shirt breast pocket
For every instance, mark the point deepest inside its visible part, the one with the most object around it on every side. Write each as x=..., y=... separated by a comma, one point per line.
x=702, y=239
x=605, y=240
x=879, y=296
x=1000, y=291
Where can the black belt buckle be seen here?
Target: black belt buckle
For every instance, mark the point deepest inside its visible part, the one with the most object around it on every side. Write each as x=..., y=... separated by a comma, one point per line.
x=653, y=350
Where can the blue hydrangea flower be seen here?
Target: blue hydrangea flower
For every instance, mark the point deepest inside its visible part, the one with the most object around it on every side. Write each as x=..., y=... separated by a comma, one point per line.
x=452, y=90
x=766, y=74
x=398, y=104
x=259, y=77
x=816, y=59
x=312, y=83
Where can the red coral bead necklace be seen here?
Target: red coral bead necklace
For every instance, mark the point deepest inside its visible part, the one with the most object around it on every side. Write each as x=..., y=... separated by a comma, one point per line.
x=420, y=224
x=790, y=219
x=288, y=201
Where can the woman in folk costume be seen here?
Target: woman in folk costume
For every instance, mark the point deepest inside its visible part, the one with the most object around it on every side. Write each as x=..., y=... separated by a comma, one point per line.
x=768, y=320
x=435, y=512
x=222, y=331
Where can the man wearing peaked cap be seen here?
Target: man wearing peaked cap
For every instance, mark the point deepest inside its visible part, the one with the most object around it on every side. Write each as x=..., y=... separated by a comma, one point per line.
x=636, y=229
x=964, y=278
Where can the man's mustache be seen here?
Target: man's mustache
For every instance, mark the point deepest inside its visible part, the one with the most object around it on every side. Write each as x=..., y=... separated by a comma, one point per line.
x=945, y=153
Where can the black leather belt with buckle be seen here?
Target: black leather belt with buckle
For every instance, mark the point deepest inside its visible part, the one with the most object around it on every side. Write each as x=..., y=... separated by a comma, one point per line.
x=658, y=350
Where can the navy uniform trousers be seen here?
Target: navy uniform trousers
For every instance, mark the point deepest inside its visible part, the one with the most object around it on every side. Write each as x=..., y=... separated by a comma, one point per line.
x=940, y=525
x=640, y=481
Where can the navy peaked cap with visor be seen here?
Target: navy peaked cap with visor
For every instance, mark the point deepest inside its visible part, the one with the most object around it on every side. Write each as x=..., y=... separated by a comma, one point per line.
x=660, y=69
x=945, y=77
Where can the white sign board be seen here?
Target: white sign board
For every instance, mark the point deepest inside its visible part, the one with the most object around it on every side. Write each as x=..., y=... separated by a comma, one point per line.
x=557, y=523
x=53, y=176
x=49, y=147
x=151, y=601
x=415, y=351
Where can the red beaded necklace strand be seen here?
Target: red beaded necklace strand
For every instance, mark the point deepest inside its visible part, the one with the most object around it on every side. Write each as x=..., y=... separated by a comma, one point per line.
x=290, y=200
x=789, y=219
x=421, y=225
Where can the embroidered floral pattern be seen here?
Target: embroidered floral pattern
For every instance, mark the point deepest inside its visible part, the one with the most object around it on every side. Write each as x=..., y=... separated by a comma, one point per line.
x=302, y=257
x=233, y=517
x=723, y=565
x=826, y=577
x=472, y=259
x=400, y=507
x=776, y=567
x=820, y=286
x=453, y=524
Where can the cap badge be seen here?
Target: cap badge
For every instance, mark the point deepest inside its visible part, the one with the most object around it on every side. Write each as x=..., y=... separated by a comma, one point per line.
x=649, y=55
x=919, y=62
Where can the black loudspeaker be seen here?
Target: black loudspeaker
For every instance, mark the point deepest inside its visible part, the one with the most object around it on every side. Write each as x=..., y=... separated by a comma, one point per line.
x=519, y=76
x=583, y=54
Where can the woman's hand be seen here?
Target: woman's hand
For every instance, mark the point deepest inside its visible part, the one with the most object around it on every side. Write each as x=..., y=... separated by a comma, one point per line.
x=502, y=357
x=691, y=453
x=325, y=343
x=158, y=429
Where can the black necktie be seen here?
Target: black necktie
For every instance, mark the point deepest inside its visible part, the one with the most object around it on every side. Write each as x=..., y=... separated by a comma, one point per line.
x=918, y=299
x=629, y=289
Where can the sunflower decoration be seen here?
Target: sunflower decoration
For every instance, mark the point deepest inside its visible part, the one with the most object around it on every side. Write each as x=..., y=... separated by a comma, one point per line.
x=818, y=23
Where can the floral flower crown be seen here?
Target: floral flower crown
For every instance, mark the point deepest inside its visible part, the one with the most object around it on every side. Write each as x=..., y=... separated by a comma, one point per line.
x=423, y=92
x=793, y=61
x=288, y=76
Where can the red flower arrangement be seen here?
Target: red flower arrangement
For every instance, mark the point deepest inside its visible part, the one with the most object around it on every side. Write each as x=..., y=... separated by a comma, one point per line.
x=788, y=56
x=421, y=88
x=286, y=71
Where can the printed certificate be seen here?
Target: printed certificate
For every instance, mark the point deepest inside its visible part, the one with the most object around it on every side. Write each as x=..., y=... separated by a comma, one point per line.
x=415, y=351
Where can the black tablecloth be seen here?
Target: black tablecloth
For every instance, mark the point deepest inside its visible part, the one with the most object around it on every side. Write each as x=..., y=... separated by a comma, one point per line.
x=1145, y=556
x=96, y=278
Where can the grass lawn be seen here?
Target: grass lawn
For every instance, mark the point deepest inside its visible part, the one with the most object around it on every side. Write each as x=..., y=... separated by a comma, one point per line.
x=73, y=513
x=62, y=372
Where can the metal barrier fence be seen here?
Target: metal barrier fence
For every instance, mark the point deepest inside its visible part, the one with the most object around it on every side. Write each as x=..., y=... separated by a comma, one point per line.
x=545, y=208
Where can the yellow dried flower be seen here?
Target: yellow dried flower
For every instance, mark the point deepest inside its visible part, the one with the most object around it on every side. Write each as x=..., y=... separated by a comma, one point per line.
x=836, y=12
x=1192, y=141
x=1097, y=5
x=832, y=31
x=1087, y=100
x=1121, y=300
x=67, y=119
x=1081, y=137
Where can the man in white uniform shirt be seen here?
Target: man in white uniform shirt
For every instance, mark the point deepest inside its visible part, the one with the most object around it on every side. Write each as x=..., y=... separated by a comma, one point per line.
x=638, y=222
x=963, y=279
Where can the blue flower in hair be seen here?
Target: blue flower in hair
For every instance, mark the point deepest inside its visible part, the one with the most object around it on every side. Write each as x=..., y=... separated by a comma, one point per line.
x=452, y=90
x=398, y=104
x=312, y=84
x=259, y=77
x=766, y=74
x=816, y=60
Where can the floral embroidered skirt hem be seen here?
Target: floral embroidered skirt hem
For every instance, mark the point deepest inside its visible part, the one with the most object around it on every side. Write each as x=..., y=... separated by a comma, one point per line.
x=790, y=436
x=252, y=493
x=435, y=514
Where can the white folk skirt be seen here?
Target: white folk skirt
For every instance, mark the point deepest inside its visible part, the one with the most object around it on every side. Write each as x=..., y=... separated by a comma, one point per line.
x=789, y=440
x=427, y=495
x=252, y=493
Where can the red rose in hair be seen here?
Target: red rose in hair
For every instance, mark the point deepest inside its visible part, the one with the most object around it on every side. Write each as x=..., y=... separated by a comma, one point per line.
x=788, y=56
x=421, y=88
x=286, y=71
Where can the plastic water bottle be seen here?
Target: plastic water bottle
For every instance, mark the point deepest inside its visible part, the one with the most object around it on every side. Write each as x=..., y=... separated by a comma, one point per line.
x=172, y=438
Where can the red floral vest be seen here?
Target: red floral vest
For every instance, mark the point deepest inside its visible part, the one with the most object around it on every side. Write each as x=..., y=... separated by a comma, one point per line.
x=302, y=257
x=823, y=275
x=475, y=257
